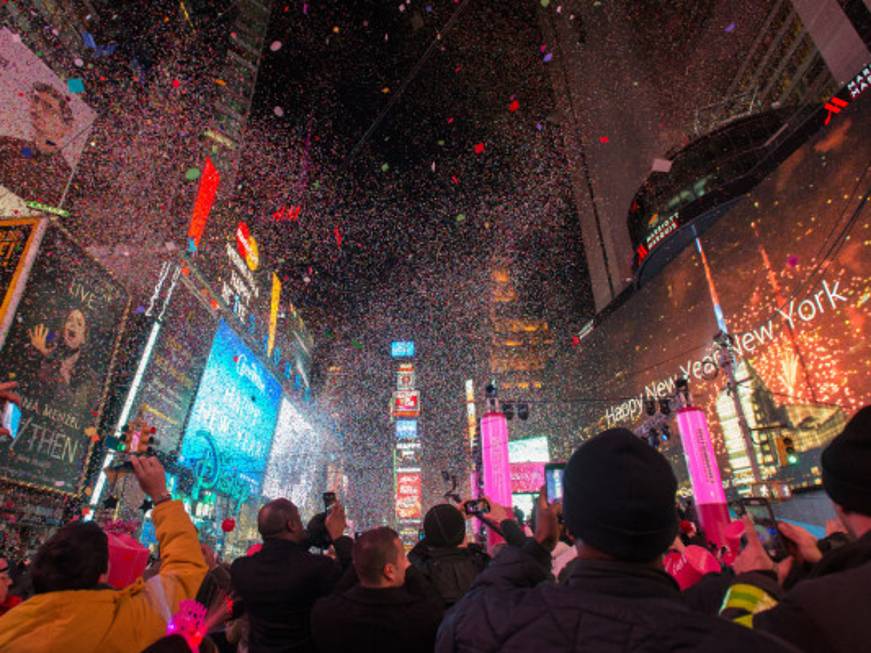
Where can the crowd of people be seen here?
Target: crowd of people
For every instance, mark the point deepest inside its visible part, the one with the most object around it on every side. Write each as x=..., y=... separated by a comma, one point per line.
x=588, y=576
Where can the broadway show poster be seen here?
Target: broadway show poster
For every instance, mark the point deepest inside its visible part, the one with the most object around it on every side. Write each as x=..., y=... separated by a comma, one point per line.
x=177, y=361
x=44, y=124
x=60, y=348
x=16, y=238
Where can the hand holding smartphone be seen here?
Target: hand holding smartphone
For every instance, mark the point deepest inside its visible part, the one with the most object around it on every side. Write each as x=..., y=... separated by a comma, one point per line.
x=329, y=500
x=765, y=524
x=10, y=417
x=553, y=477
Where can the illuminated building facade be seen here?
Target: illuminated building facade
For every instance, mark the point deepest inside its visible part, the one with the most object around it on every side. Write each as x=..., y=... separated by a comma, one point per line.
x=521, y=344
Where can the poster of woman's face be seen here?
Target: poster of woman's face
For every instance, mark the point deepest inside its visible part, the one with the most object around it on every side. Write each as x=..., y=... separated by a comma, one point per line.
x=60, y=349
x=43, y=128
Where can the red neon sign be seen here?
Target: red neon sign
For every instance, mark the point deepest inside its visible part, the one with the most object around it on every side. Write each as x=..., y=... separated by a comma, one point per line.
x=205, y=199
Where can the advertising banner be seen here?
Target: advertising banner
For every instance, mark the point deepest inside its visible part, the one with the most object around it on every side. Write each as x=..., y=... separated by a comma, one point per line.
x=275, y=302
x=406, y=429
x=406, y=403
x=494, y=454
x=16, y=239
x=228, y=435
x=43, y=127
x=60, y=348
x=526, y=477
x=402, y=349
x=409, y=496
x=407, y=455
x=206, y=192
x=297, y=463
x=787, y=270
x=177, y=361
x=405, y=380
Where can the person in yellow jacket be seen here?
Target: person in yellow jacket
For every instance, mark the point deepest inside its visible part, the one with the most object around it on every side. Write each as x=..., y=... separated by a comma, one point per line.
x=75, y=612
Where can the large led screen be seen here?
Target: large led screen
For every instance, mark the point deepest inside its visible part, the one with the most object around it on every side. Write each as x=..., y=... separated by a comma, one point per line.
x=297, y=464
x=228, y=435
x=787, y=269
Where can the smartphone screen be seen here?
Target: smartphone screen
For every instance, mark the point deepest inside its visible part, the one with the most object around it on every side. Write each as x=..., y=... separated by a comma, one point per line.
x=553, y=478
x=11, y=420
x=765, y=524
x=476, y=507
x=329, y=500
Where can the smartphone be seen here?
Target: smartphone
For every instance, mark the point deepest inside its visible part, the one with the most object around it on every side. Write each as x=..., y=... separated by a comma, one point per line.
x=421, y=534
x=553, y=481
x=329, y=500
x=476, y=507
x=11, y=419
x=765, y=524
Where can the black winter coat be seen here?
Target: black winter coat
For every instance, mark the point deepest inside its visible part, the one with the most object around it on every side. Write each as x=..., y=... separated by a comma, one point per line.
x=830, y=610
x=450, y=570
x=605, y=607
x=392, y=620
x=279, y=585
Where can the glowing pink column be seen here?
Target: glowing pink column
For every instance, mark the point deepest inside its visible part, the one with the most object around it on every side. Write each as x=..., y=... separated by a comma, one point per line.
x=710, y=499
x=494, y=457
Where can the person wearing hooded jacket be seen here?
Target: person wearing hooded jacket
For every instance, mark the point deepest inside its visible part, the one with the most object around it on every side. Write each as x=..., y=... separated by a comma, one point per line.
x=443, y=556
x=828, y=610
x=619, y=505
x=74, y=611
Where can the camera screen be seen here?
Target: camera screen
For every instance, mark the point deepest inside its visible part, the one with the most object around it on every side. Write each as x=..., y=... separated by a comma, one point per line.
x=554, y=480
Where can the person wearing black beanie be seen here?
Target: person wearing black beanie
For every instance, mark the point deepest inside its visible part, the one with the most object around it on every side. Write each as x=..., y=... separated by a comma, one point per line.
x=827, y=611
x=443, y=557
x=619, y=497
x=619, y=503
x=444, y=525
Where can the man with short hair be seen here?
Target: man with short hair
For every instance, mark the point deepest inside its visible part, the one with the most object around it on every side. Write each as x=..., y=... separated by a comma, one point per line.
x=279, y=584
x=828, y=610
x=392, y=609
x=73, y=609
x=619, y=504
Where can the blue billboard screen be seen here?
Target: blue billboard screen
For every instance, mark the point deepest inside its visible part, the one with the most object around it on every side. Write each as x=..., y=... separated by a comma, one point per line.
x=406, y=429
x=402, y=349
x=229, y=433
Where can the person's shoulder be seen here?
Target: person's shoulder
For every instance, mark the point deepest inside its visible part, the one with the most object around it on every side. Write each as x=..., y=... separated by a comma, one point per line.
x=241, y=565
x=846, y=585
x=330, y=607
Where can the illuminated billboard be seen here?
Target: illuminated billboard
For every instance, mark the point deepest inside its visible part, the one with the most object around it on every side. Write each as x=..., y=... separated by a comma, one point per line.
x=44, y=125
x=406, y=429
x=60, y=348
x=407, y=456
x=406, y=403
x=296, y=468
x=786, y=269
x=229, y=431
x=409, y=496
x=529, y=450
x=402, y=349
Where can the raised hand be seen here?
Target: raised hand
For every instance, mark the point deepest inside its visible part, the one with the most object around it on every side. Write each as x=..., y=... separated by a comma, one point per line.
x=335, y=521
x=38, y=338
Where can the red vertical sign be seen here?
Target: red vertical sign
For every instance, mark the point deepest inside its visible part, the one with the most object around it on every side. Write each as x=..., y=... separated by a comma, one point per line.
x=203, y=204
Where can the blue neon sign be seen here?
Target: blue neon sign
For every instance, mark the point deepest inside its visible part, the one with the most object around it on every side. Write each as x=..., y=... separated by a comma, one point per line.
x=402, y=349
